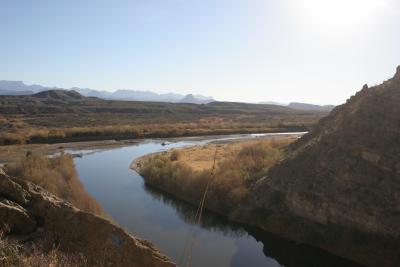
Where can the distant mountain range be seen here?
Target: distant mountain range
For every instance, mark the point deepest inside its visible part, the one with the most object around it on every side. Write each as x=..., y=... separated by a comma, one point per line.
x=304, y=106
x=301, y=106
x=19, y=88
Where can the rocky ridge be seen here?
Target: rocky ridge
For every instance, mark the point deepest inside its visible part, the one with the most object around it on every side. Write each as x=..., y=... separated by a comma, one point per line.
x=339, y=187
x=27, y=209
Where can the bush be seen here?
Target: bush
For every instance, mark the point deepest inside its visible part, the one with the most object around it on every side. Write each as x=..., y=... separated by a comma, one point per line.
x=174, y=155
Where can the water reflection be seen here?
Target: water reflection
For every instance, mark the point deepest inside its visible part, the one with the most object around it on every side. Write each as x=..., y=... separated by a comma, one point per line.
x=187, y=212
x=286, y=252
x=168, y=222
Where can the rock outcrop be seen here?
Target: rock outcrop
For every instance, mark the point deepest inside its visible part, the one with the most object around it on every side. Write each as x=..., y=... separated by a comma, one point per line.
x=339, y=187
x=28, y=209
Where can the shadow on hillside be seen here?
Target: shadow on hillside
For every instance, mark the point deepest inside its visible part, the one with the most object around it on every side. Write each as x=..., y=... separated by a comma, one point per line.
x=286, y=252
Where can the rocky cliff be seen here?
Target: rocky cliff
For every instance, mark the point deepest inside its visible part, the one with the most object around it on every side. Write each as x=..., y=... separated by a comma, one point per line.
x=29, y=210
x=339, y=187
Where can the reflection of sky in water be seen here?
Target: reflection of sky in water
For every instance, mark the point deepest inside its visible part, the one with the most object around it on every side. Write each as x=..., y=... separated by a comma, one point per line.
x=122, y=193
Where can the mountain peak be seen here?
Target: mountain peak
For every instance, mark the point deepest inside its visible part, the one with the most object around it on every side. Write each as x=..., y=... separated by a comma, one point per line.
x=192, y=99
x=397, y=75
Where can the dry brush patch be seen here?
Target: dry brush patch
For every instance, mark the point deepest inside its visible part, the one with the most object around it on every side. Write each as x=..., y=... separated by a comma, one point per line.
x=17, y=254
x=57, y=175
x=237, y=166
x=60, y=118
x=26, y=133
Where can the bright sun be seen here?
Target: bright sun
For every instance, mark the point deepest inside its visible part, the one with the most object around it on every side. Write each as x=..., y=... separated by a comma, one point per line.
x=340, y=13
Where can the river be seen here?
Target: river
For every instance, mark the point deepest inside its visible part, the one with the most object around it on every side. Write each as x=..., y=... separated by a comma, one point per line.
x=168, y=222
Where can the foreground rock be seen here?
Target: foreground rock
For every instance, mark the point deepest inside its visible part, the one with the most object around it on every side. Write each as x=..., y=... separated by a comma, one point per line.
x=28, y=209
x=339, y=187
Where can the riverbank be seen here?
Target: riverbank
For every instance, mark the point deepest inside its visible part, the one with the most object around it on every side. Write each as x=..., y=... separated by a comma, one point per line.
x=13, y=152
x=10, y=153
x=185, y=173
x=338, y=186
x=30, y=235
x=155, y=216
x=57, y=117
x=225, y=169
x=201, y=154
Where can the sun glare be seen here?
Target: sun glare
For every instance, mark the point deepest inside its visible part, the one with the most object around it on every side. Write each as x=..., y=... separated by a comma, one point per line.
x=340, y=13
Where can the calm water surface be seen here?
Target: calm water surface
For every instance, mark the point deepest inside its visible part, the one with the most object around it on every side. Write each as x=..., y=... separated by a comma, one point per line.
x=168, y=222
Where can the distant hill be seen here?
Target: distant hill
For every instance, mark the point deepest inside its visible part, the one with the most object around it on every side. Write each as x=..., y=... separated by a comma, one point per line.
x=66, y=116
x=19, y=88
x=195, y=99
x=272, y=103
x=59, y=94
x=65, y=101
x=10, y=92
x=305, y=106
x=137, y=95
x=301, y=106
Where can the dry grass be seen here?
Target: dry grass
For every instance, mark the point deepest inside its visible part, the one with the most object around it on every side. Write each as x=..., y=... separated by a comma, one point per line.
x=58, y=176
x=200, y=158
x=23, y=133
x=186, y=172
x=15, y=254
x=26, y=120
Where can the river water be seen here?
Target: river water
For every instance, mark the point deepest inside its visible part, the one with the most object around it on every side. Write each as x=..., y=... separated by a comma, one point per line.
x=168, y=222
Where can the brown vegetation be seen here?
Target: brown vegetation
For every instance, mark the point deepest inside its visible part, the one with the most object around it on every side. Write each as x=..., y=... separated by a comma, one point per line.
x=27, y=134
x=30, y=119
x=237, y=165
x=49, y=231
x=58, y=176
x=17, y=254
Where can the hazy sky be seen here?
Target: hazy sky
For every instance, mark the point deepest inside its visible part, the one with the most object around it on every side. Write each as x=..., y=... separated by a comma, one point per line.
x=317, y=51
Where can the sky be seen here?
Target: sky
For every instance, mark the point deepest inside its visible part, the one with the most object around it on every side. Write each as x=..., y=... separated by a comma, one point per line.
x=314, y=51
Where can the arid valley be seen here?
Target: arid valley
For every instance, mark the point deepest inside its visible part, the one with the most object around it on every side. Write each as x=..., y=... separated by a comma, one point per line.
x=200, y=133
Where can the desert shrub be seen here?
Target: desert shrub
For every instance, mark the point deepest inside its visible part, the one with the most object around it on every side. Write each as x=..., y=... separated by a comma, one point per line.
x=174, y=155
x=255, y=159
x=11, y=139
x=58, y=176
x=56, y=134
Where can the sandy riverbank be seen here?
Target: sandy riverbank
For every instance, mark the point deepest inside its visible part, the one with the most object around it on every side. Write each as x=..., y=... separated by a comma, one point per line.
x=197, y=156
x=13, y=152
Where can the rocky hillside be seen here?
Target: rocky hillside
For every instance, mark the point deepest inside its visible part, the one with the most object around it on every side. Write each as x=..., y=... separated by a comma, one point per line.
x=29, y=211
x=339, y=187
